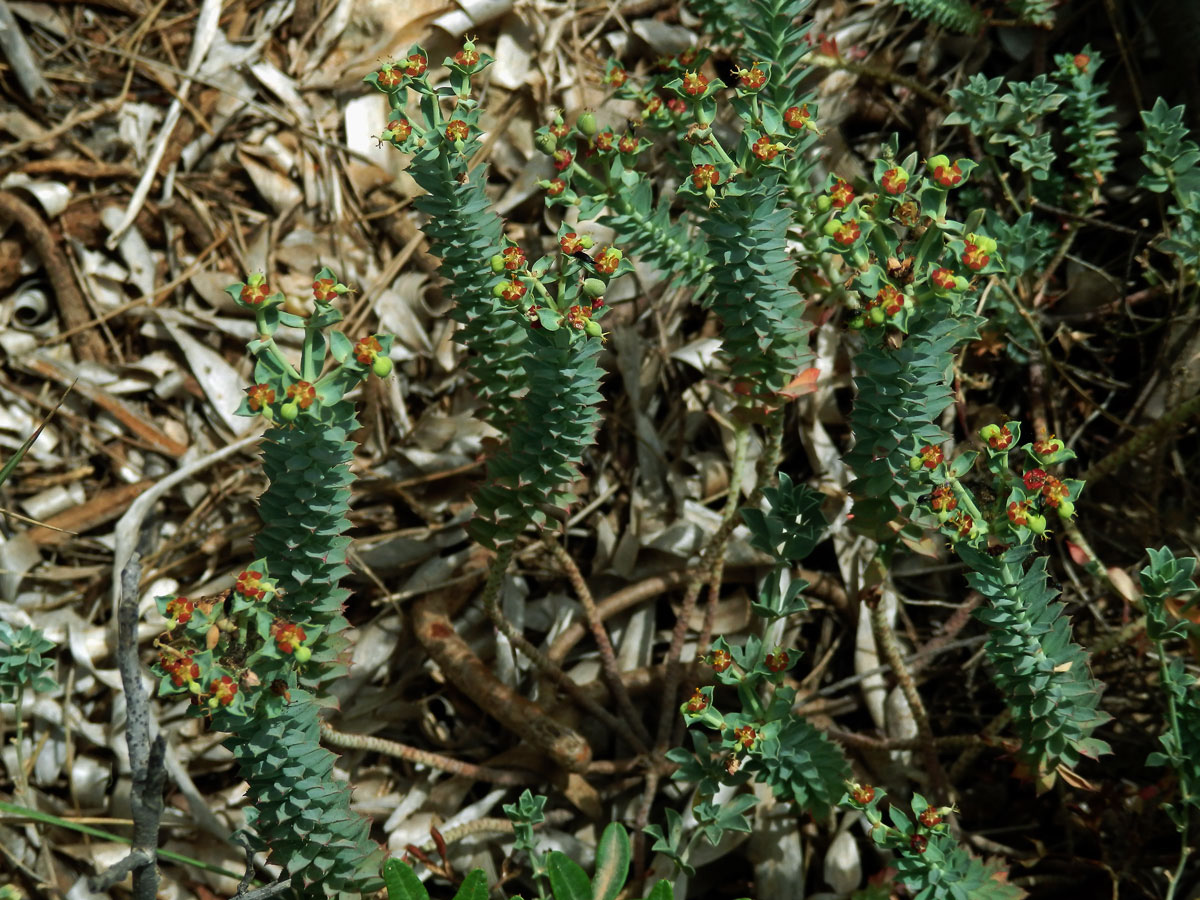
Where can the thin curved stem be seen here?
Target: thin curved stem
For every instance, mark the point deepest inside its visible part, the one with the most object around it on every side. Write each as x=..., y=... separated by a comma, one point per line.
x=544, y=664
x=608, y=659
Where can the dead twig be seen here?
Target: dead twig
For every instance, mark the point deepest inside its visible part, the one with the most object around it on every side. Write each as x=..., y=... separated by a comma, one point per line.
x=71, y=306
x=146, y=757
x=467, y=672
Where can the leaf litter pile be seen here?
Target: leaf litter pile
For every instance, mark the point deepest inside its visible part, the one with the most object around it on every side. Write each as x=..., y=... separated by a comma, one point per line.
x=151, y=153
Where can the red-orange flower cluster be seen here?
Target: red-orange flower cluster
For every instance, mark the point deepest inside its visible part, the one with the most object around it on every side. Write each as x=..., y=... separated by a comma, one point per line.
x=287, y=636
x=254, y=294
x=224, y=689
x=323, y=290
x=259, y=395
x=705, y=175
x=250, y=584
x=366, y=349
x=181, y=669
x=303, y=393
x=180, y=610
x=841, y=194
x=931, y=457
x=694, y=84
x=796, y=117
x=942, y=499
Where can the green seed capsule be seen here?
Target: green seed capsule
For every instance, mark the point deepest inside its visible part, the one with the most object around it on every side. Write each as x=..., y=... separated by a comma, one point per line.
x=878, y=315
x=587, y=124
x=594, y=287
x=302, y=654
x=592, y=327
x=382, y=366
x=938, y=161
x=289, y=411
x=831, y=227
x=823, y=204
x=546, y=142
x=498, y=264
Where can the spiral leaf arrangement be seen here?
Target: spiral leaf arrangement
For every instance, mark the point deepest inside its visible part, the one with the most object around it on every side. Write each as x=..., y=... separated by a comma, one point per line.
x=461, y=228
x=1169, y=578
x=1173, y=167
x=1042, y=674
x=1090, y=128
x=254, y=660
x=911, y=299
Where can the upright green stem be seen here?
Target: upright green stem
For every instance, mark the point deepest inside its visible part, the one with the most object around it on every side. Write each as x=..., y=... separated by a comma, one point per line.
x=1185, y=785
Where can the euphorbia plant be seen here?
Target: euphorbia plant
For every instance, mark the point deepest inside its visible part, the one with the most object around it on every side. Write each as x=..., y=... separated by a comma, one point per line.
x=255, y=659
x=1042, y=674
